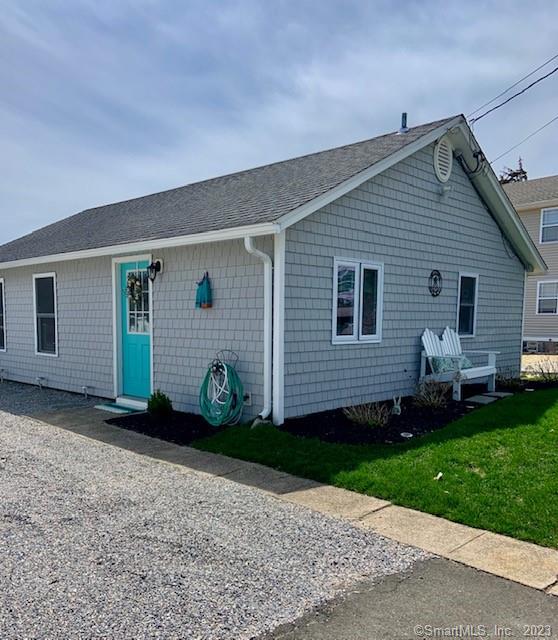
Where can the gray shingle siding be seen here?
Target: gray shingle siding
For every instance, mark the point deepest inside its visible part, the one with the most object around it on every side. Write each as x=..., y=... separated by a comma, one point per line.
x=84, y=327
x=185, y=339
x=400, y=219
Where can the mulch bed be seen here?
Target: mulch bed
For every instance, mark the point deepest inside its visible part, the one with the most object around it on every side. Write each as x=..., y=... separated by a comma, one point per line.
x=179, y=427
x=330, y=426
x=334, y=426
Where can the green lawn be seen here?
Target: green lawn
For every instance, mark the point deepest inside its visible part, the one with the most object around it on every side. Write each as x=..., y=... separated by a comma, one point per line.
x=499, y=465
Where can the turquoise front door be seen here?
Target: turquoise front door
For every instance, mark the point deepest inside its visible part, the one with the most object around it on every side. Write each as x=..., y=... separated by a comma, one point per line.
x=135, y=329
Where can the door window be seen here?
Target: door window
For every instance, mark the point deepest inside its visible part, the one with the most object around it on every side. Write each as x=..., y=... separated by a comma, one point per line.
x=137, y=290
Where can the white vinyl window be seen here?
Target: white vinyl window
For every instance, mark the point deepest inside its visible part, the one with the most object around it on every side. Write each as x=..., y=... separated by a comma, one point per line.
x=2, y=316
x=467, y=297
x=357, y=301
x=547, y=298
x=549, y=226
x=44, y=291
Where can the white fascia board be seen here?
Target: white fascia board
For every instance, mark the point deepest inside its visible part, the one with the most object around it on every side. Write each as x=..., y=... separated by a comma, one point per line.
x=149, y=245
x=355, y=181
x=514, y=228
x=486, y=182
x=498, y=202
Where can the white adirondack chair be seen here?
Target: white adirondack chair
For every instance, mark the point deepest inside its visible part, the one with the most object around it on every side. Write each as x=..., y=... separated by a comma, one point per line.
x=450, y=347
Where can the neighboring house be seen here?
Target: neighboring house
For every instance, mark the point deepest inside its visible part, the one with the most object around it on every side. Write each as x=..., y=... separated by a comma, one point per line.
x=321, y=268
x=536, y=201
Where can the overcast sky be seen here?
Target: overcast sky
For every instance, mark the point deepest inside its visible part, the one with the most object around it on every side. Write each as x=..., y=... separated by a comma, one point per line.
x=105, y=100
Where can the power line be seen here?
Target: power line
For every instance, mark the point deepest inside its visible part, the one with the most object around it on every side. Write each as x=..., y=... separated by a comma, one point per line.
x=524, y=139
x=512, y=86
x=515, y=95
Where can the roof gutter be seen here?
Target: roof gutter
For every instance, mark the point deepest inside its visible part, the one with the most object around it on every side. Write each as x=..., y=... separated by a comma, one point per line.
x=515, y=229
x=141, y=246
x=498, y=203
x=517, y=232
x=268, y=323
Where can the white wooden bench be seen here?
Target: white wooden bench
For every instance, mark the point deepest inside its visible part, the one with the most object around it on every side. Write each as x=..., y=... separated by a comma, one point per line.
x=449, y=348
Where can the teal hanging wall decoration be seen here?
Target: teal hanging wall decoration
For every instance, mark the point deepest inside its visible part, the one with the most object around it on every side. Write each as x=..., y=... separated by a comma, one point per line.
x=204, y=299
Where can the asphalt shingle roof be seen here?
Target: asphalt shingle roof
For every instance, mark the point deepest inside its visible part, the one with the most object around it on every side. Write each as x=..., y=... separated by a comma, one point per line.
x=258, y=195
x=537, y=190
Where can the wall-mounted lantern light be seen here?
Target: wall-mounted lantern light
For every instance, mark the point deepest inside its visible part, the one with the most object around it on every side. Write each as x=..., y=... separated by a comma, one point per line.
x=154, y=268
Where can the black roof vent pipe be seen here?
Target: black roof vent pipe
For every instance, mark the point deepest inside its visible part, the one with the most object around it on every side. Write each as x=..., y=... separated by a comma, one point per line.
x=404, y=128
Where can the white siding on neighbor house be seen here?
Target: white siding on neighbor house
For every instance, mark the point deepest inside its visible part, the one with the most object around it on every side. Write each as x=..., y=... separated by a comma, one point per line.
x=400, y=219
x=537, y=325
x=185, y=339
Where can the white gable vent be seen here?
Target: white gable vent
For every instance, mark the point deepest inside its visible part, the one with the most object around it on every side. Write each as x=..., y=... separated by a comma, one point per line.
x=443, y=159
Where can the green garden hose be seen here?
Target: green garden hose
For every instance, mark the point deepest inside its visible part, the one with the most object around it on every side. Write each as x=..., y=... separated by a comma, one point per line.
x=221, y=395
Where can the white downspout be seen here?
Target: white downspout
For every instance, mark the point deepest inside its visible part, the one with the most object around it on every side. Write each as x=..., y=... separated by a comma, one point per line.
x=268, y=322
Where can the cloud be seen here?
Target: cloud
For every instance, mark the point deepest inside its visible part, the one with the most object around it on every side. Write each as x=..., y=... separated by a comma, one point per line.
x=104, y=101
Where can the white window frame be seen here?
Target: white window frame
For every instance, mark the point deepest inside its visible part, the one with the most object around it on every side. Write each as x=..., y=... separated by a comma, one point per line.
x=542, y=226
x=3, y=298
x=539, y=283
x=359, y=266
x=127, y=310
x=467, y=274
x=38, y=276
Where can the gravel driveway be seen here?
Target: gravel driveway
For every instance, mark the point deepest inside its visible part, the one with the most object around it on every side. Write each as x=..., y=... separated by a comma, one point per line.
x=98, y=542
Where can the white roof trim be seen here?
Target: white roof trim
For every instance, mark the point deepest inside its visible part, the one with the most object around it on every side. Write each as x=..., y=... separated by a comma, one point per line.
x=498, y=202
x=355, y=181
x=149, y=245
x=463, y=140
x=515, y=230
x=486, y=182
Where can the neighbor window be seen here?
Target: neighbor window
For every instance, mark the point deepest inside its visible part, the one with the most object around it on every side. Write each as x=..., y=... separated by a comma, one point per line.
x=45, y=313
x=2, y=317
x=357, y=304
x=547, y=298
x=549, y=225
x=467, y=304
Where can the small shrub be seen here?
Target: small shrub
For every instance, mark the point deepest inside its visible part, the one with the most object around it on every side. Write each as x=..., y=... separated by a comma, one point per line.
x=432, y=395
x=545, y=370
x=159, y=405
x=508, y=380
x=372, y=414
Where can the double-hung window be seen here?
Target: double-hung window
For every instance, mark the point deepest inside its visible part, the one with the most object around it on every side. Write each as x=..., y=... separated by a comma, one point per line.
x=2, y=317
x=467, y=297
x=547, y=298
x=549, y=225
x=357, y=301
x=44, y=285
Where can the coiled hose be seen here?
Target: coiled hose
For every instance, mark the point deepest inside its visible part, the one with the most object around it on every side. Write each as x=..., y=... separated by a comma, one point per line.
x=221, y=395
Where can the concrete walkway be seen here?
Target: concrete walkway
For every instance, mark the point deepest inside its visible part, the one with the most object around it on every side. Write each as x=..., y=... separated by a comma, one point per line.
x=521, y=562
x=438, y=599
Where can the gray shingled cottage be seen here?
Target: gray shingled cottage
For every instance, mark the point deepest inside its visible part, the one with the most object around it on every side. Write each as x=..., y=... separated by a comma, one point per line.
x=320, y=269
